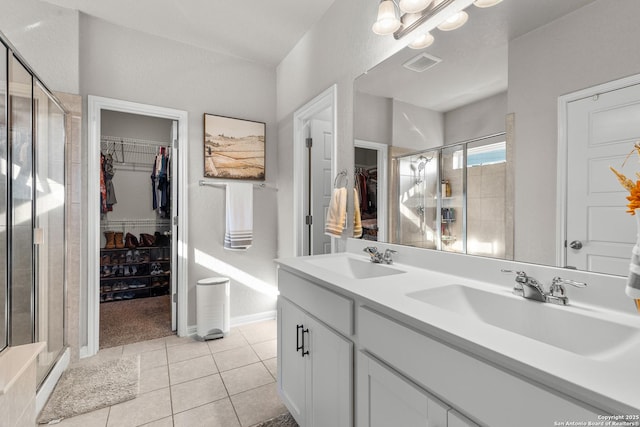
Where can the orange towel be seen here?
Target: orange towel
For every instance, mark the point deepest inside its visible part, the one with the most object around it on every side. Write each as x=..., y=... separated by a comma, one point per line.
x=337, y=214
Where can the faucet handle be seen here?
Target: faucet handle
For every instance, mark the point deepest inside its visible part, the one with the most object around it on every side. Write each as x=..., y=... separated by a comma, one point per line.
x=560, y=281
x=370, y=250
x=521, y=276
x=557, y=292
x=387, y=256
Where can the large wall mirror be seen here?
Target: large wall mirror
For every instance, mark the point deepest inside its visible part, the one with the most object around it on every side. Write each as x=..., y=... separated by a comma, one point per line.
x=475, y=134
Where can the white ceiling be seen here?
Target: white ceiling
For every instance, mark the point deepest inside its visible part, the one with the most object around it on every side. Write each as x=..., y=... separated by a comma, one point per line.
x=474, y=57
x=258, y=30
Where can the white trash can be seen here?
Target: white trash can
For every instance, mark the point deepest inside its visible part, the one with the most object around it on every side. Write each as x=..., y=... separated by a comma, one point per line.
x=212, y=315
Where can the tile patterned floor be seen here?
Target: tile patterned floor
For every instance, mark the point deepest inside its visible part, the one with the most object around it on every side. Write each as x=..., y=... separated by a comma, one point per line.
x=183, y=382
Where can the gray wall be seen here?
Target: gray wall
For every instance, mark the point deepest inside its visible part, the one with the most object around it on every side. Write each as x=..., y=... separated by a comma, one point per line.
x=373, y=118
x=47, y=37
x=129, y=65
x=554, y=60
x=416, y=128
x=481, y=118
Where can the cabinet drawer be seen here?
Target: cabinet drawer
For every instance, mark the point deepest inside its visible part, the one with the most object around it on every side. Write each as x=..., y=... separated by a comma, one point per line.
x=334, y=310
x=488, y=395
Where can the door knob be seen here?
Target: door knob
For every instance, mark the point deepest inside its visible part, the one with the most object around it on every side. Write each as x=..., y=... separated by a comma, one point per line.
x=576, y=244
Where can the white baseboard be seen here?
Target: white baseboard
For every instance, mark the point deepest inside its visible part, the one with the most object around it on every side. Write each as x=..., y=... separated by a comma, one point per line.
x=241, y=320
x=50, y=382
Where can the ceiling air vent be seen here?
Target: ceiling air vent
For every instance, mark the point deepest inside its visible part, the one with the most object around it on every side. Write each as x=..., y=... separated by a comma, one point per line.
x=421, y=62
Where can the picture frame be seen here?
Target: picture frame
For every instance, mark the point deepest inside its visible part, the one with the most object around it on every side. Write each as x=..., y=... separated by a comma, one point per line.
x=234, y=148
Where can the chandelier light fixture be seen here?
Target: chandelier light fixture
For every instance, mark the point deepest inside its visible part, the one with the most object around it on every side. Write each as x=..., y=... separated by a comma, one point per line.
x=403, y=17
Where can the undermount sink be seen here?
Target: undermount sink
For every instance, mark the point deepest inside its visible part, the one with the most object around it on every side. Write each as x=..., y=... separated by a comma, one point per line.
x=553, y=325
x=353, y=268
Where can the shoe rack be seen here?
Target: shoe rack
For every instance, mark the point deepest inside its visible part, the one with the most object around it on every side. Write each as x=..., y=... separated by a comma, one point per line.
x=135, y=268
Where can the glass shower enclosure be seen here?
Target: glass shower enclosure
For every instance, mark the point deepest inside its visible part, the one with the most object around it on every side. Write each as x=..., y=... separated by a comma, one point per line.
x=453, y=198
x=32, y=212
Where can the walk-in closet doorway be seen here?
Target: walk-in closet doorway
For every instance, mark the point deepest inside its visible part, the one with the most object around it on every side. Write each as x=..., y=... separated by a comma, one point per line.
x=137, y=191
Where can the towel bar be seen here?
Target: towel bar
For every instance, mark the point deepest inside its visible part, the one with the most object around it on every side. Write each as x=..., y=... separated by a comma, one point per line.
x=224, y=183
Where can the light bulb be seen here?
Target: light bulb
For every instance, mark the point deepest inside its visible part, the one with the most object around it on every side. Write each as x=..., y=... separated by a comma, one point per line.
x=387, y=21
x=422, y=41
x=486, y=3
x=456, y=20
x=413, y=6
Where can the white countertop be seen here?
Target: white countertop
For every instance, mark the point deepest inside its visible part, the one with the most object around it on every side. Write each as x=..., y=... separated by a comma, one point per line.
x=607, y=381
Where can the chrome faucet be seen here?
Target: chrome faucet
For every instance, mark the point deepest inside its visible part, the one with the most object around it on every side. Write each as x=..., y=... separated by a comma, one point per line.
x=378, y=257
x=529, y=288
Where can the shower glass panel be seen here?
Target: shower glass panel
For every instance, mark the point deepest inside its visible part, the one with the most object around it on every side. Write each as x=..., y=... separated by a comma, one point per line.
x=21, y=212
x=452, y=187
x=3, y=198
x=486, y=198
x=50, y=249
x=416, y=217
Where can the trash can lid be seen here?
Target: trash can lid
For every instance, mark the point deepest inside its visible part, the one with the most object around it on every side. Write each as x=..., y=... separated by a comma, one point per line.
x=213, y=281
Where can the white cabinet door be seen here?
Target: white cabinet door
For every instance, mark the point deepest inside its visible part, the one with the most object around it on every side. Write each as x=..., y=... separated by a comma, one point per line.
x=456, y=419
x=315, y=369
x=291, y=364
x=386, y=399
x=330, y=362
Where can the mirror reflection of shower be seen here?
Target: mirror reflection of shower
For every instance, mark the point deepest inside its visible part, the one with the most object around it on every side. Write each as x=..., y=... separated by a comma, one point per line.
x=417, y=176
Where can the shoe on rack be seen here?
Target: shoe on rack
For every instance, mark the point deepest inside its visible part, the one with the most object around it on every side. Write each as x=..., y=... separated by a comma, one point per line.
x=105, y=260
x=128, y=295
x=134, y=270
x=103, y=298
x=106, y=288
x=131, y=241
x=109, y=297
x=118, y=237
x=110, y=236
x=126, y=271
x=106, y=271
x=136, y=256
x=146, y=239
x=117, y=297
x=129, y=257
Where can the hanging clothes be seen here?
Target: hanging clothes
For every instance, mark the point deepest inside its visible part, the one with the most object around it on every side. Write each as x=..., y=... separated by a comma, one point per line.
x=103, y=187
x=108, y=173
x=160, y=183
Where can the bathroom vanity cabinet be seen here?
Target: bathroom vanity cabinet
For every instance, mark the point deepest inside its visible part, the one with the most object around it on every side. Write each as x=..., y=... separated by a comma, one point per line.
x=315, y=363
x=368, y=365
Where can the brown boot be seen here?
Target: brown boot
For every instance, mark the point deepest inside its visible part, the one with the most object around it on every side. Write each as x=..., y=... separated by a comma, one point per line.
x=109, y=235
x=118, y=235
x=130, y=241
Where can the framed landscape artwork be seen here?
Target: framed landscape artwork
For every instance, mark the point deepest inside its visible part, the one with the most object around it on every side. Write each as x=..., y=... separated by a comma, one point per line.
x=233, y=148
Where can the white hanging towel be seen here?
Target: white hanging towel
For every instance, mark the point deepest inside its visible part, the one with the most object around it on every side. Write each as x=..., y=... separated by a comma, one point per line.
x=239, y=216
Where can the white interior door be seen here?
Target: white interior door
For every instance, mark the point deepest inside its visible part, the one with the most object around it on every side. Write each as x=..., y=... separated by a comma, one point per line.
x=321, y=183
x=601, y=130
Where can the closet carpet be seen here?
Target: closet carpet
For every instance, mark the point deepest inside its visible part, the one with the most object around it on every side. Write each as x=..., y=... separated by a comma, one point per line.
x=130, y=321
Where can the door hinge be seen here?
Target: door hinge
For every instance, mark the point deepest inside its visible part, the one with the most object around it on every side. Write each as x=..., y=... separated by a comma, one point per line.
x=565, y=243
x=175, y=220
x=175, y=144
x=308, y=220
x=309, y=142
x=175, y=298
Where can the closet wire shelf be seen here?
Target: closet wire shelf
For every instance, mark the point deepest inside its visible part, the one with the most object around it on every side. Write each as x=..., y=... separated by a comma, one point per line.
x=130, y=152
